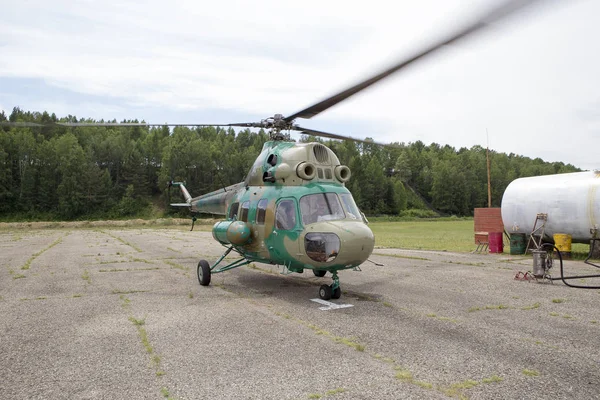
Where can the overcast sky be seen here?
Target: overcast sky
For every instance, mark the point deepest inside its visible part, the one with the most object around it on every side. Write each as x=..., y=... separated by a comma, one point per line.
x=532, y=81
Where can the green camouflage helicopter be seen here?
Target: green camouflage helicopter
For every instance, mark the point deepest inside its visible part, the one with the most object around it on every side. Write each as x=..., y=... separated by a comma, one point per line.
x=293, y=208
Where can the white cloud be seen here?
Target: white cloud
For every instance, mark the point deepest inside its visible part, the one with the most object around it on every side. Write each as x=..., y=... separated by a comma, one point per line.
x=530, y=81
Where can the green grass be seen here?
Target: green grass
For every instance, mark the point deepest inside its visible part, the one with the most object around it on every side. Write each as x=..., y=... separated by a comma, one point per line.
x=176, y=265
x=118, y=291
x=27, y=264
x=530, y=372
x=86, y=276
x=446, y=234
x=425, y=235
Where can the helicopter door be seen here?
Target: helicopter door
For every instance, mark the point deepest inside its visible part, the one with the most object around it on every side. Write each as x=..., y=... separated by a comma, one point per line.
x=283, y=244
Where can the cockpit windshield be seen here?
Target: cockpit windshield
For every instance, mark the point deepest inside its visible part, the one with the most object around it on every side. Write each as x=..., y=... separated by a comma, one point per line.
x=321, y=207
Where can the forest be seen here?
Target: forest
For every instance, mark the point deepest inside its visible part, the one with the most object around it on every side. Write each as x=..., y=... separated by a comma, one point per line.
x=66, y=173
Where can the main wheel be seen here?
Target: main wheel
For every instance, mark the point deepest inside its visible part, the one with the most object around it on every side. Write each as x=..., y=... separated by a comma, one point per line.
x=337, y=293
x=203, y=273
x=325, y=292
x=319, y=273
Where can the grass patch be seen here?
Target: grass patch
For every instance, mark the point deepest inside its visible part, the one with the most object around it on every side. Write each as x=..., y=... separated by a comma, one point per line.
x=126, y=301
x=18, y=276
x=489, y=307
x=314, y=396
x=492, y=379
x=334, y=391
x=166, y=394
x=122, y=241
x=142, y=260
x=118, y=291
x=137, y=322
x=424, y=385
x=384, y=358
x=86, y=276
x=27, y=264
x=451, y=235
x=531, y=307
x=403, y=375
x=128, y=269
x=337, y=339
x=176, y=265
x=558, y=301
x=433, y=315
x=530, y=372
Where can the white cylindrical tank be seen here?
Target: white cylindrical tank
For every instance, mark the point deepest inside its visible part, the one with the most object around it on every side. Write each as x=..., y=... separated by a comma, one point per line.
x=571, y=201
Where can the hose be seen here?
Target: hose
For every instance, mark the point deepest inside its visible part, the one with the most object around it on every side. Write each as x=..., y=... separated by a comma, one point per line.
x=563, y=277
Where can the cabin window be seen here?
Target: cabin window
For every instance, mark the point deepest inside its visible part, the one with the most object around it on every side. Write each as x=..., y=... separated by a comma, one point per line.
x=244, y=211
x=328, y=174
x=285, y=216
x=320, y=207
x=233, y=210
x=320, y=173
x=350, y=206
x=261, y=211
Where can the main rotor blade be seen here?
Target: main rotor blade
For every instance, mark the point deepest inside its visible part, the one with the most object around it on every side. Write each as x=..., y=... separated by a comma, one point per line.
x=485, y=20
x=107, y=124
x=314, y=132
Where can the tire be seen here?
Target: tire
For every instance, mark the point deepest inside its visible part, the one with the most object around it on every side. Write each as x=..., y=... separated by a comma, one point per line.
x=319, y=273
x=325, y=292
x=337, y=293
x=203, y=273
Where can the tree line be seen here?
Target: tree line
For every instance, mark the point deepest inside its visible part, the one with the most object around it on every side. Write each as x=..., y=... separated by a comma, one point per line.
x=58, y=172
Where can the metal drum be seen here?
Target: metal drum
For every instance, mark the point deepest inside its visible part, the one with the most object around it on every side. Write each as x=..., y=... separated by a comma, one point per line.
x=518, y=243
x=495, y=242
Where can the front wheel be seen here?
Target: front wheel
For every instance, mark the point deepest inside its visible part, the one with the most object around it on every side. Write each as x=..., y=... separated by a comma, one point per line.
x=325, y=292
x=203, y=273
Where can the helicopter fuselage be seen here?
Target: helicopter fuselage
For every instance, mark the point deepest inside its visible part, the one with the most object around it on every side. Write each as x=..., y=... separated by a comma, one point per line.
x=293, y=209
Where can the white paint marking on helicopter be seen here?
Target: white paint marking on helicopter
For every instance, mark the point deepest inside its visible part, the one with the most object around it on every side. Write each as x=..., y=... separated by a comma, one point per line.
x=330, y=305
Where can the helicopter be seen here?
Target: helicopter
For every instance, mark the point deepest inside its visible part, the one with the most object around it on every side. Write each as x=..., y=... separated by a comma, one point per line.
x=293, y=208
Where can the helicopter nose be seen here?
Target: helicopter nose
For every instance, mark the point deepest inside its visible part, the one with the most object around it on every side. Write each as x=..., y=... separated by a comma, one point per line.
x=347, y=243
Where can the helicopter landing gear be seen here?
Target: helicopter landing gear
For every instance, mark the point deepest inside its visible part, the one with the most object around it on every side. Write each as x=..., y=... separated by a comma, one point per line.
x=332, y=291
x=319, y=273
x=203, y=273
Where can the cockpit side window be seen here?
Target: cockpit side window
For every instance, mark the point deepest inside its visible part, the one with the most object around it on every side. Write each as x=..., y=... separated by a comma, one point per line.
x=233, y=210
x=244, y=211
x=321, y=207
x=350, y=206
x=285, y=216
x=261, y=211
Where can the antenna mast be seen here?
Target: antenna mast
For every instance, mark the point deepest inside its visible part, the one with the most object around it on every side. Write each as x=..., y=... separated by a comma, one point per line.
x=487, y=154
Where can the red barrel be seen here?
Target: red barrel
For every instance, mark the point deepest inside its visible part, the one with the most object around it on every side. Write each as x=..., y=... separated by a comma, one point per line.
x=496, y=244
